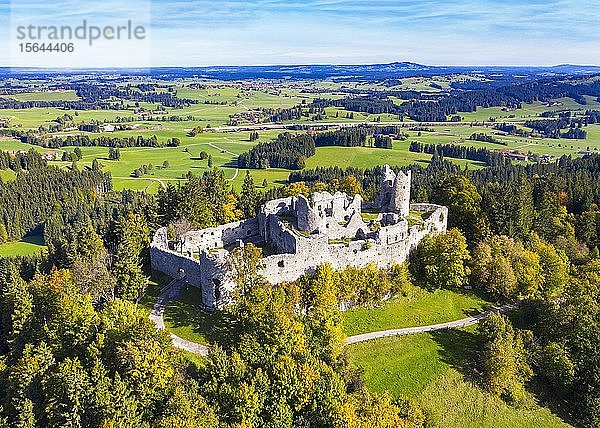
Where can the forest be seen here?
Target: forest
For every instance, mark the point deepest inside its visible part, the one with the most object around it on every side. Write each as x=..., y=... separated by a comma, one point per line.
x=104, y=97
x=287, y=151
x=76, y=351
x=448, y=104
x=101, y=141
x=489, y=157
x=531, y=235
x=291, y=151
x=77, y=348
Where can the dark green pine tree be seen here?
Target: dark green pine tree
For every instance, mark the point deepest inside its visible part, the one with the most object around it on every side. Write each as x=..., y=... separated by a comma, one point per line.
x=249, y=197
x=127, y=268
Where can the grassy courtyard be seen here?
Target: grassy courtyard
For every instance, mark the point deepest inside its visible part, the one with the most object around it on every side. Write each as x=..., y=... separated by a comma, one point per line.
x=185, y=319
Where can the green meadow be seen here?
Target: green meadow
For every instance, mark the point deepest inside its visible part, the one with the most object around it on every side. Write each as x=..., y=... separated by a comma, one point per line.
x=28, y=245
x=217, y=101
x=433, y=369
x=224, y=148
x=436, y=371
x=420, y=308
x=45, y=96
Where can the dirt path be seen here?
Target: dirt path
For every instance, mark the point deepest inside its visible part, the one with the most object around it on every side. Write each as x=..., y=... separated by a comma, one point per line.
x=169, y=293
x=174, y=289
x=237, y=170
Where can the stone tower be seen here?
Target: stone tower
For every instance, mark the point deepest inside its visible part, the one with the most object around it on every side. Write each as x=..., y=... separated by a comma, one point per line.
x=395, y=192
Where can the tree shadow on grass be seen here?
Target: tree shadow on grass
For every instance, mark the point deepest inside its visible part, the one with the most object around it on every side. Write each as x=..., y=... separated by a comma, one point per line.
x=231, y=164
x=36, y=239
x=459, y=349
x=215, y=328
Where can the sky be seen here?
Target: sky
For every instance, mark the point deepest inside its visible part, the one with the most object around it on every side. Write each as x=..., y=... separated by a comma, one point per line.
x=262, y=32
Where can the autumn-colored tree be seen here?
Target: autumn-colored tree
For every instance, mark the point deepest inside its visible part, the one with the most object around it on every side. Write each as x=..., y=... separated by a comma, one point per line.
x=440, y=261
x=296, y=189
x=503, y=358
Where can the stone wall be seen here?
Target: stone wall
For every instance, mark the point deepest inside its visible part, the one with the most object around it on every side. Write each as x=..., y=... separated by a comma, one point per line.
x=172, y=263
x=395, y=191
x=281, y=239
x=291, y=251
x=221, y=236
x=401, y=195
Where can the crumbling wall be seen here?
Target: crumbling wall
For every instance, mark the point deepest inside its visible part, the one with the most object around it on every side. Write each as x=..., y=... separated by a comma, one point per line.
x=395, y=191
x=214, y=281
x=221, y=236
x=290, y=253
x=311, y=251
x=175, y=265
x=394, y=233
x=280, y=238
x=307, y=218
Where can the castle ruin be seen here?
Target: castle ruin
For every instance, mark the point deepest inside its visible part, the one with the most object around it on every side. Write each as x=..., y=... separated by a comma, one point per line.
x=297, y=235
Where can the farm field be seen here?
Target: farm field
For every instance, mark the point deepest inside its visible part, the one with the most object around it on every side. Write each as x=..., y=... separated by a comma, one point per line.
x=44, y=96
x=217, y=101
x=224, y=148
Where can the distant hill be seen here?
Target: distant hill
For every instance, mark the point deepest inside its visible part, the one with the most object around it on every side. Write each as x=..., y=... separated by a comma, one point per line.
x=366, y=72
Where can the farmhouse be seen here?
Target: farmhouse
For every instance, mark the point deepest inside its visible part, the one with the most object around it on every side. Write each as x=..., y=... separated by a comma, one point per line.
x=297, y=235
x=514, y=155
x=50, y=156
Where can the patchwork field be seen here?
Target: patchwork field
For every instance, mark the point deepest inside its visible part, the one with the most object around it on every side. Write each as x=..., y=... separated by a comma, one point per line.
x=224, y=148
x=218, y=101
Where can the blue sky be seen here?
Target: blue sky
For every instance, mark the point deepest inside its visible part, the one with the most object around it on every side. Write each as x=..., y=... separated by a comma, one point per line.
x=468, y=32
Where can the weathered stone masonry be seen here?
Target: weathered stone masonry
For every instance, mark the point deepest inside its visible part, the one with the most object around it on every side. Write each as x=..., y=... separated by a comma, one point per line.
x=298, y=235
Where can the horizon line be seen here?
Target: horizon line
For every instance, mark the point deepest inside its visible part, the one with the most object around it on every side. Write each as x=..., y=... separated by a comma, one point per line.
x=306, y=65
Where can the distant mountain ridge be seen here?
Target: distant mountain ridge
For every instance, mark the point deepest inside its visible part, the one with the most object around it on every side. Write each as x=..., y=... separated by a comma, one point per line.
x=317, y=71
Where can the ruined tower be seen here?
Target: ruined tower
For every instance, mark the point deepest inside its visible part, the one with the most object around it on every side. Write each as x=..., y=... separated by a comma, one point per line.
x=395, y=191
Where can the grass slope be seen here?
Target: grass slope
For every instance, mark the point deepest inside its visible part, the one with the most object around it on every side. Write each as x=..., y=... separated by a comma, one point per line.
x=27, y=246
x=7, y=175
x=185, y=319
x=424, y=308
x=427, y=368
